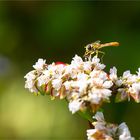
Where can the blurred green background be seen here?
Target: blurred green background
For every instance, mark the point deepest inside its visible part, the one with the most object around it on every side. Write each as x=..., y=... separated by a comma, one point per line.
x=56, y=31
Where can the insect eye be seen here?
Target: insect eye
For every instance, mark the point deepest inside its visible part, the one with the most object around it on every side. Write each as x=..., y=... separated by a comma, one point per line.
x=89, y=47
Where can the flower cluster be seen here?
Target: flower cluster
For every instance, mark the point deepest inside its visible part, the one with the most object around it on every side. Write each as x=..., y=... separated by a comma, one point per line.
x=107, y=131
x=84, y=84
x=127, y=85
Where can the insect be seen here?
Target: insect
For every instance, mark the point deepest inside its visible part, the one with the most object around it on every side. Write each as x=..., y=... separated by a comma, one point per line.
x=94, y=48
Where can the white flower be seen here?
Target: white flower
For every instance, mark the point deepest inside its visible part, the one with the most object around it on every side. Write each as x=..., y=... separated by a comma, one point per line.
x=55, y=71
x=99, y=116
x=127, y=74
x=30, y=81
x=96, y=95
x=105, y=93
x=98, y=78
x=135, y=91
x=124, y=133
x=52, y=70
x=119, y=82
x=39, y=65
x=72, y=72
x=138, y=72
x=113, y=74
x=30, y=76
x=60, y=70
x=68, y=85
x=82, y=86
x=100, y=66
x=107, y=84
x=74, y=106
x=95, y=60
x=56, y=83
x=114, y=78
x=97, y=82
x=95, y=73
x=87, y=66
x=90, y=134
x=77, y=61
x=136, y=88
x=131, y=79
x=46, y=73
x=94, y=98
x=82, y=76
x=102, y=75
x=31, y=86
x=41, y=80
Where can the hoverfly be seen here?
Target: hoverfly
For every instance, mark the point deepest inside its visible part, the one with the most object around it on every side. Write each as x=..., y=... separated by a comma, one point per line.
x=94, y=48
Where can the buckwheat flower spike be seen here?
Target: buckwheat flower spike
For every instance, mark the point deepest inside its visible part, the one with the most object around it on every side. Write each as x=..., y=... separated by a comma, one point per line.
x=84, y=81
x=108, y=131
x=129, y=87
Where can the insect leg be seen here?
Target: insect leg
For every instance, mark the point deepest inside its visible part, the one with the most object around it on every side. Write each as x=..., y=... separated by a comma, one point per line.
x=92, y=52
x=103, y=53
x=97, y=52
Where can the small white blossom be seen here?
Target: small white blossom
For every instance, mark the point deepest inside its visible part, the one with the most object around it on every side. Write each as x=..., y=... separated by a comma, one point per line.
x=113, y=74
x=94, y=98
x=107, y=84
x=30, y=81
x=42, y=80
x=56, y=83
x=100, y=66
x=127, y=74
x=82, y=85
x=68, y=85
x=119, y=82
x=90, y=134
x=102, y=75
x=77, y=61
x=114, y=78
x=94, y=73
x=136, y=87
x=74, y=106
x=39, y=65
x=82, y=76
x=72, y=72
x=99, y=117
x=31, y=86
x=30, y=76
x=87, y=66
x=98, y=95
x=135, y=91
x=124, y=133
x=95, y=60
x=138, y=72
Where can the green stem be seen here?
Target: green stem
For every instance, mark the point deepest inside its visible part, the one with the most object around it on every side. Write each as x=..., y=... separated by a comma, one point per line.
x=86, y=115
